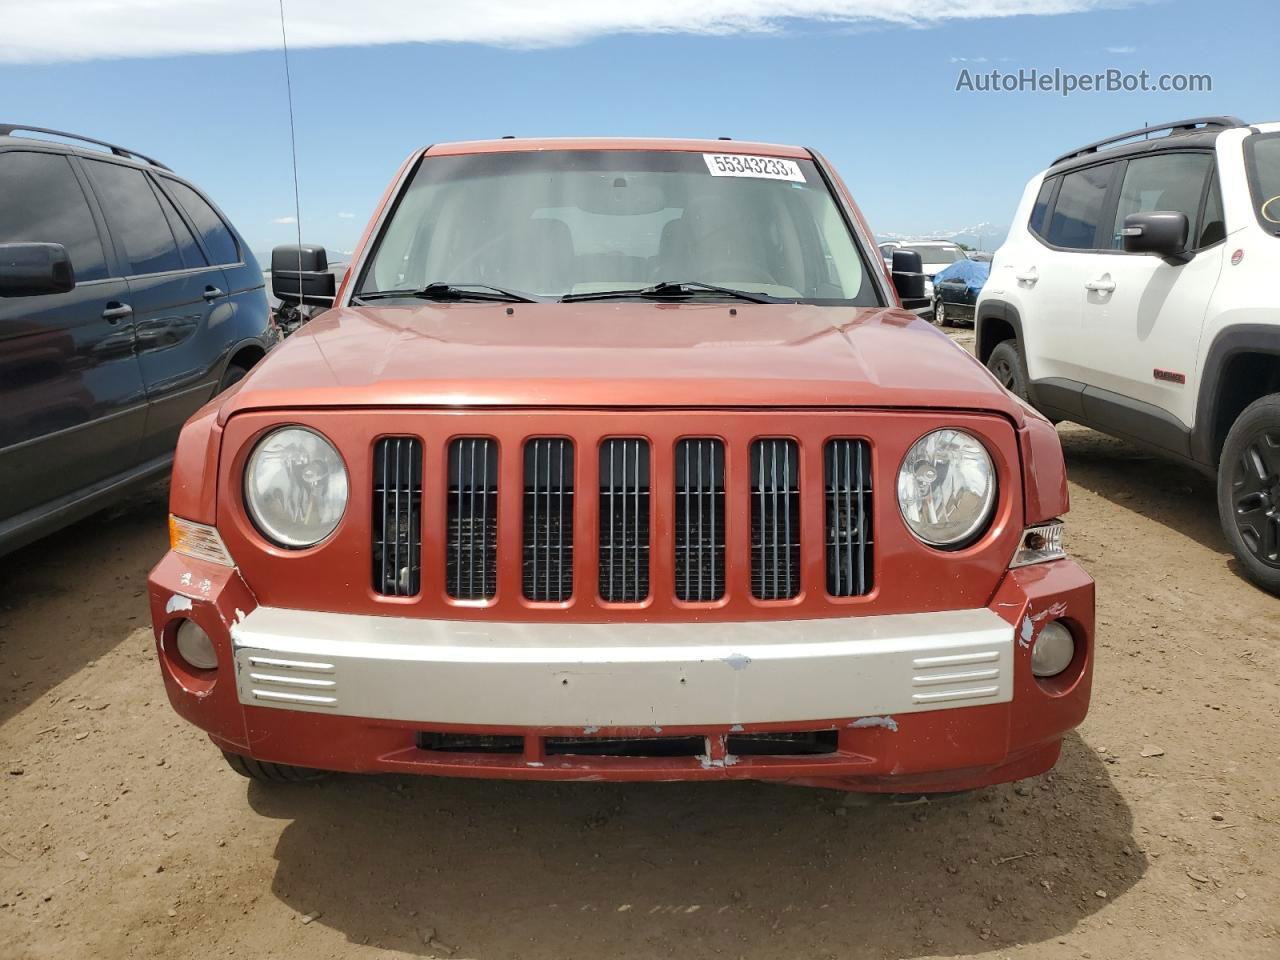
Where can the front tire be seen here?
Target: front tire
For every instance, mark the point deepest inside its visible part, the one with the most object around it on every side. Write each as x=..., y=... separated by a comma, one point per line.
x=234, y=373
x=271, y=772
x=940, y=314
x=1007, y=365
x=1249, y=492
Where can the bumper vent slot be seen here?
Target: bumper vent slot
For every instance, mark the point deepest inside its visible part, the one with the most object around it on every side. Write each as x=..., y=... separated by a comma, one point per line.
x=471, y=551
x=624, y=520
x=397, y=516
x=775, y=519
x=699, y=518
x=848, y=495
x=470, y=743
x=548, y=519
x=782, y=744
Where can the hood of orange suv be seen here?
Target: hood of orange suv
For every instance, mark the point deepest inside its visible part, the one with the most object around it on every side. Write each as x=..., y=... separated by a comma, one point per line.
x=620, y=354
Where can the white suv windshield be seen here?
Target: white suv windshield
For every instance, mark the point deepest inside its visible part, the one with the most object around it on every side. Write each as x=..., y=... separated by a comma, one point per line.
x=560, y=222
x=1263, y=155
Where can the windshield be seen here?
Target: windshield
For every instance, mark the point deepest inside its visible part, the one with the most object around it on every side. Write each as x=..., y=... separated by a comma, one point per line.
x=1262, y=155
x=933, y=254
x=560, y=222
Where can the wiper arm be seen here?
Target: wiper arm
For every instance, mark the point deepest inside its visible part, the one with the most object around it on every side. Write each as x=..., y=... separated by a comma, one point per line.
x=669, y=289
x=444, y=292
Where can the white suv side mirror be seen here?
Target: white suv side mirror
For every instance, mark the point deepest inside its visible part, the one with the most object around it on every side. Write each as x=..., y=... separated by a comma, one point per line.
x=1162, y=232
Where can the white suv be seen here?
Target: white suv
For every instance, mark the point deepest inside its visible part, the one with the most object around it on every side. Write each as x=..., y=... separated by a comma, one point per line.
x=1136, y=294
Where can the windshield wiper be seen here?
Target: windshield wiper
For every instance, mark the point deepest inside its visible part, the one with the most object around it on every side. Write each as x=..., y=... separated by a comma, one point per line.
x=669, y=289
x=444, y=292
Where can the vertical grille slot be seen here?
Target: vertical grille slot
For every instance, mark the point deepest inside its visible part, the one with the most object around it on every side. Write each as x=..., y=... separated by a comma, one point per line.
x=548, y=519
x=848, y=495
x=624, y=520
x=397, y=516
x=775, y=519
x=699, y=519
x=471, y=547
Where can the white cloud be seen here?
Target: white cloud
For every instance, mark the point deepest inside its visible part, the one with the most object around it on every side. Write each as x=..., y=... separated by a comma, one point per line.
x=343, y=215
x=55, y=30
x=285, y=220
x=1122, y=50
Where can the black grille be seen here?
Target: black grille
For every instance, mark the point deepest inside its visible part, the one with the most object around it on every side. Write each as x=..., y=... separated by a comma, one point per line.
x=471, y=550
x=548, y=519
x=624, y=520
x=848, y=489
x=775, y=519
x=699, y=517
x=397, y=516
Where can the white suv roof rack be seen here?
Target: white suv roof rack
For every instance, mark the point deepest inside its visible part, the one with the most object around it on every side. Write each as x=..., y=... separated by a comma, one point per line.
x=1177, y=126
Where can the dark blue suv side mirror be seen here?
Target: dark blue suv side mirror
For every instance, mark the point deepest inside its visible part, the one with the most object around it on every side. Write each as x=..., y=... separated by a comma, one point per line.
x=35, y=269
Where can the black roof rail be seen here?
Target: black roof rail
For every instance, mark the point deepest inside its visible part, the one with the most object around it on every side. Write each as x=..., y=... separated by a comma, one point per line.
x=7, y=129
x=1178, y=126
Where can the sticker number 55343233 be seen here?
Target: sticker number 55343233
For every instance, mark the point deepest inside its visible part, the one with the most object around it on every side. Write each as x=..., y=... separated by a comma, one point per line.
x=741, y=165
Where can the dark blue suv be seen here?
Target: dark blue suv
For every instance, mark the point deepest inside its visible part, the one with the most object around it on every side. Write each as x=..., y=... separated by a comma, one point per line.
x=126, y=301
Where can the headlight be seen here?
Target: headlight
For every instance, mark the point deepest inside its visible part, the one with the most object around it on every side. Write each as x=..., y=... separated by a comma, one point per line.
x=295, y=487
x=947, y=488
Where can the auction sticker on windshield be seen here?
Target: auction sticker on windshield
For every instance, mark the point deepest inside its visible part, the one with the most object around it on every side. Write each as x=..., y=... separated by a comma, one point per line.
x=741, y=165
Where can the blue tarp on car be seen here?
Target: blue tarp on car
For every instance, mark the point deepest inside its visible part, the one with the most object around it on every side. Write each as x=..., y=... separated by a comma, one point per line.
x=973, y=272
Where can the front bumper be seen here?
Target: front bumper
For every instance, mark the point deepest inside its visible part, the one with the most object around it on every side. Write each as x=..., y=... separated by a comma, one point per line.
x=928, y=701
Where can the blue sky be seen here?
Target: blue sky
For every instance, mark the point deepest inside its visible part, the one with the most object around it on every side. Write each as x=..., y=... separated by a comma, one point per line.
x=877, y=98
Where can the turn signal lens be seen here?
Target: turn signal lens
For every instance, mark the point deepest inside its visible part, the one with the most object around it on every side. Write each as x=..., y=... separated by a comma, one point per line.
x=197, y=540
x=1054, y=650
x=195, y=647
x=1039, y=544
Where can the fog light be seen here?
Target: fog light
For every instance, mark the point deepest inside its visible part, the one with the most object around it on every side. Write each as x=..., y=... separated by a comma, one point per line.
x=195, y=647
x=1054, y=650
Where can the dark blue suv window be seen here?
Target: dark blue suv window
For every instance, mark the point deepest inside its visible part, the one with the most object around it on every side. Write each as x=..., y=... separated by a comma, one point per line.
x=134, y=217
x=191, y=255
x=217, y=238
x=41, y=202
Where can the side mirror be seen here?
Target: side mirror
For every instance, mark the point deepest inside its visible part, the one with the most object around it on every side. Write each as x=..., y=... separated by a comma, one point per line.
x=908, y=279
x=1162, y=232
x=35, y=269
x=300, y=275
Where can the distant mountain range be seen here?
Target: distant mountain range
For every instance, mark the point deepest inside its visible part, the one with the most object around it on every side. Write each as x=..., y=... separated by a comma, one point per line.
x=980, y=236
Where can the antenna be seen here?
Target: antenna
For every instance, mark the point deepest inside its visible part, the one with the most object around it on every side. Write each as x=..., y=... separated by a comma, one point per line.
x=293, y=146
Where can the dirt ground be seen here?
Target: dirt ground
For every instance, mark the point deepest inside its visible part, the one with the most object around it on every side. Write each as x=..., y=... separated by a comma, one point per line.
x=123, y=834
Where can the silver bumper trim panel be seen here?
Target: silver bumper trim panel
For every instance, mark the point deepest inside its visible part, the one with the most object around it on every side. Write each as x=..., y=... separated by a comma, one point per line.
x=627, y=674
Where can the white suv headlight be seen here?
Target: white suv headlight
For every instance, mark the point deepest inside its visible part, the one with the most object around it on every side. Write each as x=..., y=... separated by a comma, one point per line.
x=947, y=488
x=295, y=487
